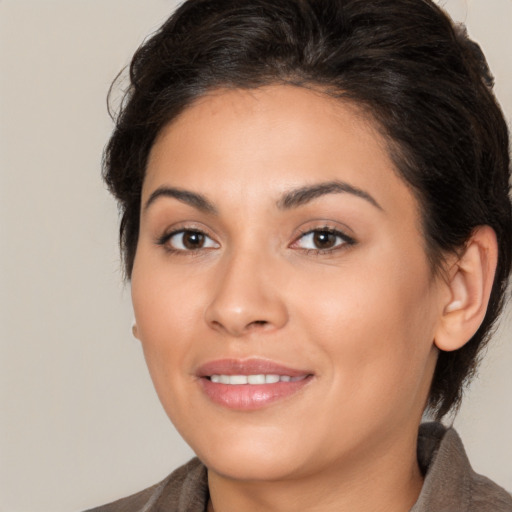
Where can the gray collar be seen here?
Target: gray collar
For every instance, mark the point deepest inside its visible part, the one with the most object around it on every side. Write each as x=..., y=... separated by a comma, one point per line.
x=450, y=483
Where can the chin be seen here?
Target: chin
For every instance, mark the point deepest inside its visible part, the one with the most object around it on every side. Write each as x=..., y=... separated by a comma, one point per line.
x=249, y=455
x=252, y=466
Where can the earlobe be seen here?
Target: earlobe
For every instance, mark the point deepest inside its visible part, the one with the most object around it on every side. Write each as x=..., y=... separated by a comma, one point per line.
x=470, y=283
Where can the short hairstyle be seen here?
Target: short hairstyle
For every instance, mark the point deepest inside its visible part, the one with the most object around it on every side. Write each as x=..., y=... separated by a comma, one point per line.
x=425, y=84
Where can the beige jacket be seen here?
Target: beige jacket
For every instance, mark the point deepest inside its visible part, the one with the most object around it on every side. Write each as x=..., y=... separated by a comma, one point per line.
x=450, y=483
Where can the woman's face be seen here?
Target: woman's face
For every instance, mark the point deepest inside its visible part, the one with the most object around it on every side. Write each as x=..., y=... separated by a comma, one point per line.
x=281, y=289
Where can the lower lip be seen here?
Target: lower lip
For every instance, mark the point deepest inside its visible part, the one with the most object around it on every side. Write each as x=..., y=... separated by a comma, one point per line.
x=247, y=397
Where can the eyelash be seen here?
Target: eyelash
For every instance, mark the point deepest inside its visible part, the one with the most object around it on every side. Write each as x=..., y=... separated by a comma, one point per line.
x=345, y=241
x=165, y=238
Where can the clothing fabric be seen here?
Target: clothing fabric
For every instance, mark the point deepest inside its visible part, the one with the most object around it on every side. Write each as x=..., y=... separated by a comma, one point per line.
x=450, y=483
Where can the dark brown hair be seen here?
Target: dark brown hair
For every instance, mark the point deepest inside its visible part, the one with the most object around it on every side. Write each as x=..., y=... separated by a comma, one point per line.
x=426, y=85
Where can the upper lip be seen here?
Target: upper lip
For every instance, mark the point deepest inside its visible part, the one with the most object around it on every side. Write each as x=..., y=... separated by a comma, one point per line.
x=251, y=366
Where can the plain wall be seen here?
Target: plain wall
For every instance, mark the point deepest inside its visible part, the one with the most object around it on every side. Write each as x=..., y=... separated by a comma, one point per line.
x=80, y=424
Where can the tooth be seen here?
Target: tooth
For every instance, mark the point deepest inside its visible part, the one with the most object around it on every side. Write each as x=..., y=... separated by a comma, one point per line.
x=253, y=379
x=256, y=379
x=238, y=379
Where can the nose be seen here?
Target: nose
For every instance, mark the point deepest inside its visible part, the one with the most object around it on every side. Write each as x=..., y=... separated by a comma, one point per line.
x=246, y=297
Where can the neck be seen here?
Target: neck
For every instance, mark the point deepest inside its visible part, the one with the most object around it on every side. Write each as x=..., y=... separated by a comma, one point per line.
x=386, y=482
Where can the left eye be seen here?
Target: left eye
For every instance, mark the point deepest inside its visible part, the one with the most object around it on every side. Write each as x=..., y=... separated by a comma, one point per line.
x=190, y=241
x=321, y=239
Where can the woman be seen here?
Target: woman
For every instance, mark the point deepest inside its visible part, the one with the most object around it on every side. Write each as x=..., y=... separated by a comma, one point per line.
x=317, y=229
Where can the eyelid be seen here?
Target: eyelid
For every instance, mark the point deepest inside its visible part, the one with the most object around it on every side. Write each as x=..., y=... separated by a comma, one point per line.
x=162, y=240
x=347, y=240
x=207, y=245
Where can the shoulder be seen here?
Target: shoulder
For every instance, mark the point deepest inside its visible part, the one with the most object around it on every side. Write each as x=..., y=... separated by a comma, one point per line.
x=451, y=484
x=184, y=490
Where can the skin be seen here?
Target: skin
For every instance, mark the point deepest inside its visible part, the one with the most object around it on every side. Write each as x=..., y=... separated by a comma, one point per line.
x=361, y=317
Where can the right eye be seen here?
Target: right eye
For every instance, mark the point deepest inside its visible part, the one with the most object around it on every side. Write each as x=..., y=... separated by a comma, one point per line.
x=187, y=240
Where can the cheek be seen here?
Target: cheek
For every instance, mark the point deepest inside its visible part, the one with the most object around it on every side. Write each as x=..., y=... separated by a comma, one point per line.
x=374, y=324
x=166, y=307
x=164, y=296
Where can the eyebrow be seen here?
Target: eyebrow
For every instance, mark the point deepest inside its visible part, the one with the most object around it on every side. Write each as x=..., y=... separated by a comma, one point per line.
x=292, y=199
x=303, y=195
x=198, y=201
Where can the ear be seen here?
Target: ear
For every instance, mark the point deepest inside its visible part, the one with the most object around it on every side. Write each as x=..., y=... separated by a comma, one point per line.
x=135, y=330
x=469, y=284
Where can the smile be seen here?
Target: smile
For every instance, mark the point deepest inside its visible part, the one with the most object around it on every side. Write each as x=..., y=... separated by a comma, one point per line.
x=251, y=384
x=237, y=380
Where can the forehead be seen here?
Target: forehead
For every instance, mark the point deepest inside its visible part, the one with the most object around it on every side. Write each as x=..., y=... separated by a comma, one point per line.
x=275, y=107
x=241, y=143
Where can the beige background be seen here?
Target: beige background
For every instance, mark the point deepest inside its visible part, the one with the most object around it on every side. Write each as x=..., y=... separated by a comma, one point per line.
x=80, y=423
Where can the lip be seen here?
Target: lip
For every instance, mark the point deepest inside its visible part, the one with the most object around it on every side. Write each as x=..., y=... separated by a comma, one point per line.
x=249, y=396
x=248, y=367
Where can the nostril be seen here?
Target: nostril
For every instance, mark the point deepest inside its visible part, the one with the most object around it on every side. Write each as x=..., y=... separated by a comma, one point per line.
x=257, y=323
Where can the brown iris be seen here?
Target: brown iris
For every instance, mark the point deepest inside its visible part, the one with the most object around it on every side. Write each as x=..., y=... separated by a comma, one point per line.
x=324, y=239
x=193, y=240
